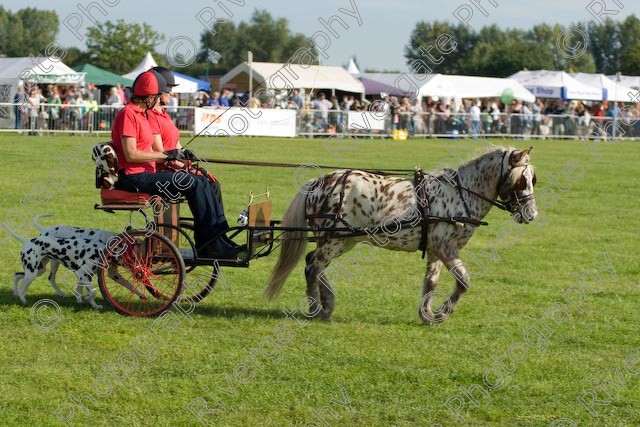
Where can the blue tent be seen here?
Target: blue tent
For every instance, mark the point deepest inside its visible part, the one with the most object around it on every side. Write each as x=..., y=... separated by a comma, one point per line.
x=202, y=84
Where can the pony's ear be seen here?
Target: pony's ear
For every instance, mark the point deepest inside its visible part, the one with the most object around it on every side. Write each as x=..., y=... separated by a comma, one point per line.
x=520, y=157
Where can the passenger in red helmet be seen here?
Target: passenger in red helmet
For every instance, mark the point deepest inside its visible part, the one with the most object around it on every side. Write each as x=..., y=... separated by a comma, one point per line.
x=133, y=141
x=162, y=124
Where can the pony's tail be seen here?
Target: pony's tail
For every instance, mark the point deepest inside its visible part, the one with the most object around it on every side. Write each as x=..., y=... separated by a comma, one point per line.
x=293, y=245
x=24, y=240
x=35, y=221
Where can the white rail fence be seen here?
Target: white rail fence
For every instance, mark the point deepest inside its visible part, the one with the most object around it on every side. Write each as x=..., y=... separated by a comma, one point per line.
x=51, y=119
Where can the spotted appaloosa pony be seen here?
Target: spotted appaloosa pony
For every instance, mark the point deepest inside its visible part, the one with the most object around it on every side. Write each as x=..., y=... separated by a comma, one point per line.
x=501, y=177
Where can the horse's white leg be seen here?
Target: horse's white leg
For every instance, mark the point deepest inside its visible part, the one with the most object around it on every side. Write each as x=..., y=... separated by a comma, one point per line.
x=434, y=265
x=456, y=268
x=319, y=291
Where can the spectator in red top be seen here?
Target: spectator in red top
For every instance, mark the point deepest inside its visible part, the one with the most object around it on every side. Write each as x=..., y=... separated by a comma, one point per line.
x=133, y=141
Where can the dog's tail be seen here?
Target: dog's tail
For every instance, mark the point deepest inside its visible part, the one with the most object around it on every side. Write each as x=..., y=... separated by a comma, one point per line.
x=35, y=221
x=24, y=240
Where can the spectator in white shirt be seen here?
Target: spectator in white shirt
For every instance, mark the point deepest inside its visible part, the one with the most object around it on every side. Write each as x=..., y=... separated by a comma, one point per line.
x=322, y=107
x=474, y=117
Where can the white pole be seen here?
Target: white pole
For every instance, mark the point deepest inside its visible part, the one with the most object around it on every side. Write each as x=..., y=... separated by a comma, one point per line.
x=615, y=107
x=250, y=61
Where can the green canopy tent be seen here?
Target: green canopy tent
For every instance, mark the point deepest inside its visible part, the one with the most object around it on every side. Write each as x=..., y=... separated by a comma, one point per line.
x=100, y=77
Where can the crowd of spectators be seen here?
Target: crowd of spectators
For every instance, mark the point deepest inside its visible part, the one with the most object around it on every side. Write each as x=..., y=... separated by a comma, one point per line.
x=551, y=117
x=82, y=107
x=476, y=117
x=39, y=108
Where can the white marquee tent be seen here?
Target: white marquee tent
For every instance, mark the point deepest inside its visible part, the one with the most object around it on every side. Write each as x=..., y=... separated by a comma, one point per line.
x=184, y=85
x=474, y=87
x=454, y=86
x=557, y=84
x=39, y=70
x=614, y=91
x=288, y=76
x=629, y=81
x=30, y=70
x=352, y=68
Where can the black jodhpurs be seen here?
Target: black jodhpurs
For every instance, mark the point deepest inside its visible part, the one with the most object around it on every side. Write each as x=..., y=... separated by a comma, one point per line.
x=208, y=215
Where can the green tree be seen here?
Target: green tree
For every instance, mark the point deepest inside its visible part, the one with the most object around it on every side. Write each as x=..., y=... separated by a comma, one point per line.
x=74, y=56
x=424, y=38
x=630, y=60
x=40, y=28
x=269, y=39
x=4, y=30
x=224, y=42
x=572, y=49
x=630, y=49
x=508, y=57
x=27, y=32
x=604, y=44
x=120, y=46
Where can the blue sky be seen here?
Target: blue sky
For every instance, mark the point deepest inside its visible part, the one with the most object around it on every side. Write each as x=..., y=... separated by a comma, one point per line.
x=377, y=43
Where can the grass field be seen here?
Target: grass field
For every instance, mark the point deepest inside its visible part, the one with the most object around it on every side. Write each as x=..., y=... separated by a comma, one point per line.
x=552, y=315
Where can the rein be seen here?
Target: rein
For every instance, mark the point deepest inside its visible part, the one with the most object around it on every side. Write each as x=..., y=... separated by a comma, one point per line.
x=505, y=206
x=497, y=203
x=300, y=165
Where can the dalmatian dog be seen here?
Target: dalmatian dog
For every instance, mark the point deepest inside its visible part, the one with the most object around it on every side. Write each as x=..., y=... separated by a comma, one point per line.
x=78, y=249
x=106, y=161
x=97, y=237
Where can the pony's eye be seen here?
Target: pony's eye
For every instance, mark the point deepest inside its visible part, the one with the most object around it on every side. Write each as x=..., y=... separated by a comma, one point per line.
x=533, y=181
x=521, y=185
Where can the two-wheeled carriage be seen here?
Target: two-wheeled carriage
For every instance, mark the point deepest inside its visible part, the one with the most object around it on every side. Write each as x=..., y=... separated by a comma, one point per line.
x=146, y=270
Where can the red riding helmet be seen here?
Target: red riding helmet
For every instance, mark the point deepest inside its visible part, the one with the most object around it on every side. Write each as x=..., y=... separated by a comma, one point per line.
x=149, y=83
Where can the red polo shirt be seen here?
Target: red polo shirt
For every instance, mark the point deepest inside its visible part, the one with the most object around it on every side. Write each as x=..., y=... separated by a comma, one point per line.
x=132, y=121
x=161, y=123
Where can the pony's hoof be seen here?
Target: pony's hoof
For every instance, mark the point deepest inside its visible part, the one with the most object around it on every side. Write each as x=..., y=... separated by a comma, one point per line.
x=320, y=315
x=429, y=317
x=426, y=316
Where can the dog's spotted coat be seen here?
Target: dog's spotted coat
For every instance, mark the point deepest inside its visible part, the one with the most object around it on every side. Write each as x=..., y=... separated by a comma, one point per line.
x=80, y=250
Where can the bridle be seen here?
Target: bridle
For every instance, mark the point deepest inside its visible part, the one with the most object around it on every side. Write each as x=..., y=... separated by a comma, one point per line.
x=514, y=204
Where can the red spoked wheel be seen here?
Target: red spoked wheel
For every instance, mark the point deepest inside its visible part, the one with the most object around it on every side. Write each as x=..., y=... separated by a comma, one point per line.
x=142, y=273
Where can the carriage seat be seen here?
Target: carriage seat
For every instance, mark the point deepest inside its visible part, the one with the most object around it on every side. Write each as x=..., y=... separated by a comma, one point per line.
x=164, y=212
x=117, y=197
x=120, y=200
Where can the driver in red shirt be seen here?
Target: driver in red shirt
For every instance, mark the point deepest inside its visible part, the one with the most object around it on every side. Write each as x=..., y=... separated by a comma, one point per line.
x=133, y=140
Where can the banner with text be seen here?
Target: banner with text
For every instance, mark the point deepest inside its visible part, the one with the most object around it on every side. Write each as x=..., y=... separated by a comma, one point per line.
x=245, y=121
x=365, y=121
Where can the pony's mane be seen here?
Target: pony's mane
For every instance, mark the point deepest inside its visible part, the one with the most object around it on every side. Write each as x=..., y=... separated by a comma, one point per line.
x=485, y=152
x=473, y=156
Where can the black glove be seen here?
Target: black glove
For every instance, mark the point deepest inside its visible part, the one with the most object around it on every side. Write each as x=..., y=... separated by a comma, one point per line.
x=177, y=154
x=190, y=155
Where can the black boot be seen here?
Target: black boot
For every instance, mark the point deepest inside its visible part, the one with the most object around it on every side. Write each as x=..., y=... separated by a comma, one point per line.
x=233, y=244
x=219, y=249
